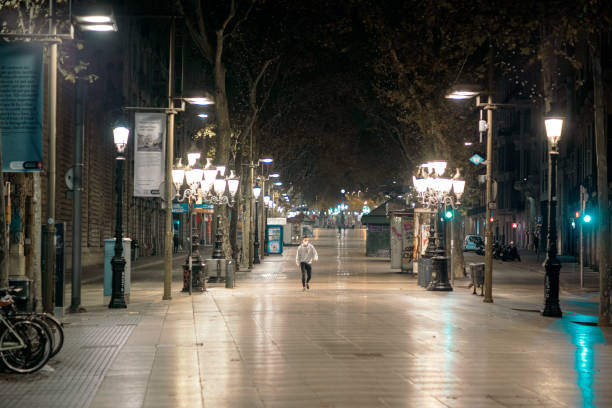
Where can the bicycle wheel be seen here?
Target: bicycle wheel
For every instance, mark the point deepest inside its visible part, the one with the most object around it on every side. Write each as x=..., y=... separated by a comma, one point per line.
x=36, y=351
x=57, y=333
x=49, y=322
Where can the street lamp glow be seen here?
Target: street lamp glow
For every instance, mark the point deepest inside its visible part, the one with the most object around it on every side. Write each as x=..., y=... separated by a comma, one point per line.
x=256, y=191
x=120, y=136
x=459, y=95
x=437, y=166
x=266, y=160
x=232, y=184
x=95, y=19
x=194, y=176
x=193, y=157
x=278, y=183
x=462, y=92
x=458, y=187
x=98, y=27
x=200, y=101
x=178, y=175
x=274, y=175
x=202, y=115
x=554, y=127
x=266, y=199
x=219, y=185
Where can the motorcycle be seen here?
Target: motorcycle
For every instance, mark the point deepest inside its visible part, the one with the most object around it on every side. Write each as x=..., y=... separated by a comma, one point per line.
x=511, y=252
x=498, y=251
x=505, y=252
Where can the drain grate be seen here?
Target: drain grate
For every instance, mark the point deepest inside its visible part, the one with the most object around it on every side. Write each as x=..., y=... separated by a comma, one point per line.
x=527, y=310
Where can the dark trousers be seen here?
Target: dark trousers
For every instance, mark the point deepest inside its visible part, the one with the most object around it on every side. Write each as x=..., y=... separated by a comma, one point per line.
x=306, y=269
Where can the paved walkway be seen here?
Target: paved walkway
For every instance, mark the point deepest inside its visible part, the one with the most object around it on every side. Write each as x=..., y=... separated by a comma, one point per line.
x=363, y=336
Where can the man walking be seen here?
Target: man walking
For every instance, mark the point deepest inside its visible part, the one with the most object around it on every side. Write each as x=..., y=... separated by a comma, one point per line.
x=306, y=254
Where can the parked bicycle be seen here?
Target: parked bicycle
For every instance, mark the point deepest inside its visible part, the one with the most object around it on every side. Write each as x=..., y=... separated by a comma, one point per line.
x=27, y=340
x=25, y=345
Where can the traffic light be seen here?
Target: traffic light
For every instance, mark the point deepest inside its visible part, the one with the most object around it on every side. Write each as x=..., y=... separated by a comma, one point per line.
x=448, y=213
x=586, y=218
x=514, y=225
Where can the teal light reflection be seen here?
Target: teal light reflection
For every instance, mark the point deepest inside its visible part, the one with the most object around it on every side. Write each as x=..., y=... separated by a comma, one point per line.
x=584, y=337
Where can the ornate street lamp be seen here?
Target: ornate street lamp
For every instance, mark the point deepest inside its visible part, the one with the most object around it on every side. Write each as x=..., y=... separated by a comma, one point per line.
x=436, y=191
x=206, y=186
x=256, y=194
x=552, y=266
x=120, y=135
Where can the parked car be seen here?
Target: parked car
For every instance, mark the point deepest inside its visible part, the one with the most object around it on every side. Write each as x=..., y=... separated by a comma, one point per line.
x=473, y=243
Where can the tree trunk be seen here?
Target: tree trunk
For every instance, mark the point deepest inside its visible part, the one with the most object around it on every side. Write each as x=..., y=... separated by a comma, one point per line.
x=247, y=231
x=223, y=135
x=36, y=240
x=601, y=149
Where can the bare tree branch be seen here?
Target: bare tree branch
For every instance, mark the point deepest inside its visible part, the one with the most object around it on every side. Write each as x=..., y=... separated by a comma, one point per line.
x=239, y=22
x=198, y=34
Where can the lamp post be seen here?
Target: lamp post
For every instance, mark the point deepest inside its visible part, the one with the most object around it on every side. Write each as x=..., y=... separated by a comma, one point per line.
x=192, y=175
x=98, y=19
x=266, y=204
x=265, y=161
x=439, y=192
x=209, y=185
x=467, y=93
x=117, y=301
x=256, y=194
x=552, y=266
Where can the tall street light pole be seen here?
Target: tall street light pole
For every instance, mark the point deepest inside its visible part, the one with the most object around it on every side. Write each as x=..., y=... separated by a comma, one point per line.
x=256, y=193
x=118, y=262
x=552, y=266
x=48, y=303
x=98, y=19
x=488, y=275
x=168, y=174
x=467, y=92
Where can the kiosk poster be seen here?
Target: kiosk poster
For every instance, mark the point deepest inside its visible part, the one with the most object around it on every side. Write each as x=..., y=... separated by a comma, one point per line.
x=21, y=106
x=150, y=132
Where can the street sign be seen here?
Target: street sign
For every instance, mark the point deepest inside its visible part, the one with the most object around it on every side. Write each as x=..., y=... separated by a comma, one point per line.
x=179, y=208
x=476, y=159
x=183, y=208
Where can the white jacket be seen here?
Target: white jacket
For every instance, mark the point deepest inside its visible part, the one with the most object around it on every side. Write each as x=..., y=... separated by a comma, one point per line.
x=306, y=253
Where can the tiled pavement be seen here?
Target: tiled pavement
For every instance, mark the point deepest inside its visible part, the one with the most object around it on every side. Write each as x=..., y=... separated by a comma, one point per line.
x=363, y=336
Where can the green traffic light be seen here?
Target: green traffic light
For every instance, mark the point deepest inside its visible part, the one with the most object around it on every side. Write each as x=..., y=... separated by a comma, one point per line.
x=586, y=218
x=448, y=214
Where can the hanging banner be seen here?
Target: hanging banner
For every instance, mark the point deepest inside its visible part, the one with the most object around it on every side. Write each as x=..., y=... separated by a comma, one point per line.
x=21, y=106
x=150, y=145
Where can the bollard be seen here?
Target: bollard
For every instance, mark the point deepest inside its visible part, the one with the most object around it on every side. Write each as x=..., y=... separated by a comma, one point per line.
x=230, y=274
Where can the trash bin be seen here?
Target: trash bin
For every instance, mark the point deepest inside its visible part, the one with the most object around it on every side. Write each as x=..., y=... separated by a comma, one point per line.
x=217, y=269
x=424, y=272
x=109, y=253
x=199, y=270
x=477, y=275
x=24, y=299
